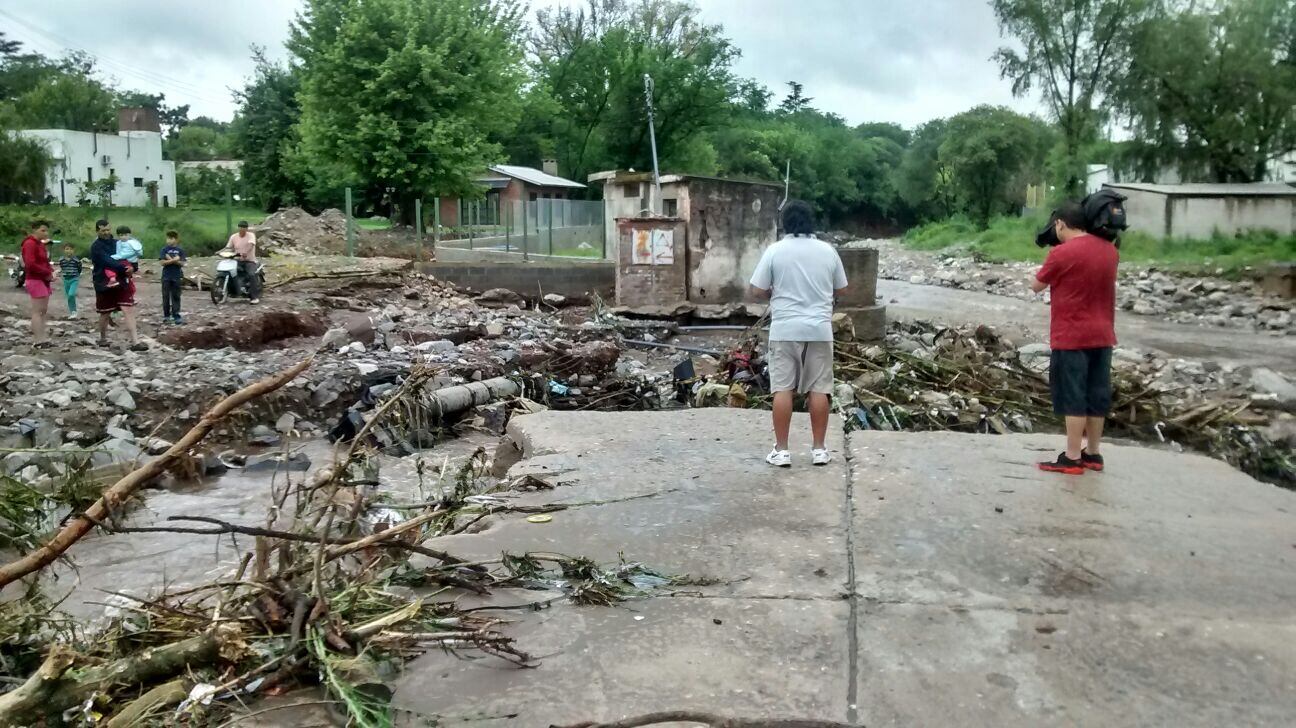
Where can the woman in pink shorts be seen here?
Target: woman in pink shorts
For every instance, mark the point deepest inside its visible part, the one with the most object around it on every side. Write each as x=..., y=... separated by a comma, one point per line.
x=39, y=275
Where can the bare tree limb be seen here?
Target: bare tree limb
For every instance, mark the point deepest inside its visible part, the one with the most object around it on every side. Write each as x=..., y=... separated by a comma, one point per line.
x=121, y=490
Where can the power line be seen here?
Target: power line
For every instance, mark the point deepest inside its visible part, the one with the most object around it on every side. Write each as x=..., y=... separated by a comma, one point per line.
x=116, y=66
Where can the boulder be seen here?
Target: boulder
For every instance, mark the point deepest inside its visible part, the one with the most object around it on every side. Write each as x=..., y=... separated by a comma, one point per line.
x=121, y=398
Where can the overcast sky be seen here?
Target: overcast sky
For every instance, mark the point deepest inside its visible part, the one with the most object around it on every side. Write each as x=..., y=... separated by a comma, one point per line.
x=867, y=60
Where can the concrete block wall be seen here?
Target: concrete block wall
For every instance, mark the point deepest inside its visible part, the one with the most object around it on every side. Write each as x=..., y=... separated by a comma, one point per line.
x=579, y=281
x=646, y=285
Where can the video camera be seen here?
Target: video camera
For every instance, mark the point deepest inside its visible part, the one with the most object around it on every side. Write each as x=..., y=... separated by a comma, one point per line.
x=1104, y=213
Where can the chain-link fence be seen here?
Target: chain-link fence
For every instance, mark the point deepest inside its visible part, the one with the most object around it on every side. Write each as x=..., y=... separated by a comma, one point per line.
x=542, y=227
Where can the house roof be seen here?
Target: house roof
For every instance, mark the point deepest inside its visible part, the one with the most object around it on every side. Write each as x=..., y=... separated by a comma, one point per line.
x=532, y=176
x=632, y=176
x=1257, y=189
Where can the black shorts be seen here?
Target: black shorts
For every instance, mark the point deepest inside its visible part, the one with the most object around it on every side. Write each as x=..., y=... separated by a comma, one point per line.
x=1081, y=382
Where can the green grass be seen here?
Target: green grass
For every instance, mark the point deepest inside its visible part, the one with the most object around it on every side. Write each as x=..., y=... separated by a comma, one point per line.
x=1013, y=238
x=202, y=229
x=372, y=224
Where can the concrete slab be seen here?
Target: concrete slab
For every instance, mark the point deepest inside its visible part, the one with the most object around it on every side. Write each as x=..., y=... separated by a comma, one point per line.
x=765, y=658
x=980, y=591
x=1187, y=533
x=1160, y=592
x=688, y=493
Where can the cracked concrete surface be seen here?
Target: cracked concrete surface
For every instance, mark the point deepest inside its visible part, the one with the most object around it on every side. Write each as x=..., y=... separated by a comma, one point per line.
x=930, y=579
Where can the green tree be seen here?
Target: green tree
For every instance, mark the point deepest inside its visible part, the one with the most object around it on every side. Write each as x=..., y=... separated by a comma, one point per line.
x=264, y=134
x=591, y=61
x=1072, y=50
x=403, y=96
x=199, y=142
x=991, y=154
x=1211, y=89
x=923, y=181
x=796, y=100
x=23, y=166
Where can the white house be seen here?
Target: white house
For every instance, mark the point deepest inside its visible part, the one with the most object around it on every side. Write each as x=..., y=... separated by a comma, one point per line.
x=81, y=157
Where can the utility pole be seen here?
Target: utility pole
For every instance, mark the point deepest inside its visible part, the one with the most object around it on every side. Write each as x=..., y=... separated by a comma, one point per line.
x=652, y=138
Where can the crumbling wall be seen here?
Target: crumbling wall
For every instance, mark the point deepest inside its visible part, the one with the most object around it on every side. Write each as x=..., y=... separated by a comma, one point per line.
x=575, y=280
x=729, y=225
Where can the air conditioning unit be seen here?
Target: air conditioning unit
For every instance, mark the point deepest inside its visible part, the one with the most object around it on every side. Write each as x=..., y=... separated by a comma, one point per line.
x=105, y=160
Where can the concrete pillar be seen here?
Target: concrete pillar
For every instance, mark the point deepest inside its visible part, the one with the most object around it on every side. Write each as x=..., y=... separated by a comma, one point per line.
x=861, y=275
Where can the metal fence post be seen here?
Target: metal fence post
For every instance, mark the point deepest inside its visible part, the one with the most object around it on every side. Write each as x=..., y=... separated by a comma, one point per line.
x=229, y=210
x=469, y=208
x=525, y=254
x=436, y=223
x=550, y=206
x=508, y=226
x=418, y=229
x=350, y=226
x=602, y=223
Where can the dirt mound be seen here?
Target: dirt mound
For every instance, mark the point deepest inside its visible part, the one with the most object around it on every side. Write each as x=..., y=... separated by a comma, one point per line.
x=249, y=333
x=293, y=231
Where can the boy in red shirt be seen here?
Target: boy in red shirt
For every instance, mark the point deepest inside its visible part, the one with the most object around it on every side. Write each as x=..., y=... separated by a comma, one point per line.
x=1081, y=273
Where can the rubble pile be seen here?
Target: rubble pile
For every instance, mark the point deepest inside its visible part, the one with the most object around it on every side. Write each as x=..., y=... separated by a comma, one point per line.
x=1202, y=300
x=293, y=231
x=969, y=379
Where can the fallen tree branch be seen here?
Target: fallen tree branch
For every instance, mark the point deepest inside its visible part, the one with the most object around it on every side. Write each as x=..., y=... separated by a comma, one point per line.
x=164, y=695
x=51, y=690
x=711, y=719
x=120, y=491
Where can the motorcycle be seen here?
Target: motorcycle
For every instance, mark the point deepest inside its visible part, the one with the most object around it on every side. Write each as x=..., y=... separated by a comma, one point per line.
x=229, y=281
x=16, y=270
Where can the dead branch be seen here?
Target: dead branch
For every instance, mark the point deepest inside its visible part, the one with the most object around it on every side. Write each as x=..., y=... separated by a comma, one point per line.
x=51, y=690
x=166, y=694
x=124, y=488
x=715, y=721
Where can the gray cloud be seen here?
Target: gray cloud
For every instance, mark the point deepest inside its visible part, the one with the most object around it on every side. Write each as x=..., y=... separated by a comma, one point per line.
x=867, y=60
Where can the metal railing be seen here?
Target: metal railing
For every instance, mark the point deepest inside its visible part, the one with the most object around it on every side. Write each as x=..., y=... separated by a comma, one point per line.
x=542, y=227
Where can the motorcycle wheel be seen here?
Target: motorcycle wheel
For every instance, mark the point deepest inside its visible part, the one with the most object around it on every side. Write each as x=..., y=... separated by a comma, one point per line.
x=19, y=279
x=218, y=292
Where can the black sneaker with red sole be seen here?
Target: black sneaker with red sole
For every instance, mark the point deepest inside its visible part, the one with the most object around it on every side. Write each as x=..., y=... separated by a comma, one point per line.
x=1064, y=465
x=1091, y=462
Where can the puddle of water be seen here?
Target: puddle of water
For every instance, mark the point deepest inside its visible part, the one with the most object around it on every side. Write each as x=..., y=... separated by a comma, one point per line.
x=142, y=563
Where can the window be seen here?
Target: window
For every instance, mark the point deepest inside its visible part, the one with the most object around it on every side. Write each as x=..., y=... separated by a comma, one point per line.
x=89, y=174
x=139, y=181
x=534, y=196
x=670, y=208
x=630, y=189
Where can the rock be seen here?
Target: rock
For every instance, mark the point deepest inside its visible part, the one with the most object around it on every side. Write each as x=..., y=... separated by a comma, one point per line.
x=1267, y=381
x=1031, y=351
x=443, y=346
x=296, y=462
x=494, y=330
x=263, y=436
x=843, y=327
x=335, y=338
x=354, y=347
x=121, y=398
x=58, y=398
x=14, y=462
x=1143, y=308
x=323, y=396
x=286, y=423
x=555, y=300
x=121, y=433
x=501, y=297
x=156, y=445
x=116, y=451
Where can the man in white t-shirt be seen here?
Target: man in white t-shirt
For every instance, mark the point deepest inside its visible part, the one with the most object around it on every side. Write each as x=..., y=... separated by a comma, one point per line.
x=800, y=274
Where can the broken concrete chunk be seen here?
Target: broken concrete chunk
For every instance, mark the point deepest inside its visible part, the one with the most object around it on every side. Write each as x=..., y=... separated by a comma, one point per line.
x=121, y=398
x=1267, y=381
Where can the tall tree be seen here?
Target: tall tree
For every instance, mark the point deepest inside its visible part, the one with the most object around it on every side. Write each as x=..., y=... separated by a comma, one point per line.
x=592, y=60
x=41, y=93
x=265, y=136
x=923, y=181
x=1071, y=50
x=992, y=153
x=403, y=96
x=1211, y=89
x=796, y=100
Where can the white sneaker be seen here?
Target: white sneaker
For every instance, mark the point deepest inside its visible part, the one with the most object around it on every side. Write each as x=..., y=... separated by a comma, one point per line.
x=73, y=316
x=780, y=458
x=820, y=457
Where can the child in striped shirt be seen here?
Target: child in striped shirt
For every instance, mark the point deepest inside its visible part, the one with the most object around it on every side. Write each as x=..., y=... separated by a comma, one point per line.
x=70, y=267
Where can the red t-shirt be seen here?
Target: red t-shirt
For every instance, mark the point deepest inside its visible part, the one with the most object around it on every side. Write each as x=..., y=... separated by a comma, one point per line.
x=1081, y=274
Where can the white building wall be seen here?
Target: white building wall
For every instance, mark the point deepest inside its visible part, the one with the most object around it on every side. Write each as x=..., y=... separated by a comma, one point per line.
x=81, y=157
x=1202, y=217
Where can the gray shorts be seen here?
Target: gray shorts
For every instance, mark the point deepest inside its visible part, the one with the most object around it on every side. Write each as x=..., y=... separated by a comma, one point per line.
x=803, y=366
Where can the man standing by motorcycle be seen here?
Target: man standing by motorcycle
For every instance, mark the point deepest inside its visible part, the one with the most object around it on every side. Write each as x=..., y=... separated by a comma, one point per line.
x=243, y=243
